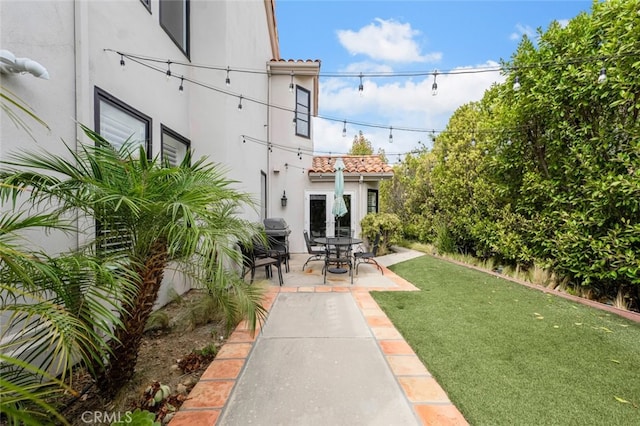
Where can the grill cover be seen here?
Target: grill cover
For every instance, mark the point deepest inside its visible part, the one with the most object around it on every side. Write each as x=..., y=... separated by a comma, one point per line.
x=276, y=227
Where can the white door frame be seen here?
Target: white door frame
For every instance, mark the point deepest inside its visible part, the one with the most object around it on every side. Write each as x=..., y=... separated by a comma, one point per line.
x=330, y=223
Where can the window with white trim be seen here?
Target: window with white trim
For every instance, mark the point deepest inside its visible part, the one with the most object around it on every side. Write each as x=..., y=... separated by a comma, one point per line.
x=174, y=19
x=303, y=112
x=372, y=201
x=118, y=123
x=174, y=146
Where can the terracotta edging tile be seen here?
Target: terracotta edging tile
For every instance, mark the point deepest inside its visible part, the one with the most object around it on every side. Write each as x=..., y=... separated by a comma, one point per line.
x=423, y=389
x=209, y=394
x=395, y=347
x=223, y=369
x=195, y=417
x=234, y=350
x=439, y=415
x=407, y=365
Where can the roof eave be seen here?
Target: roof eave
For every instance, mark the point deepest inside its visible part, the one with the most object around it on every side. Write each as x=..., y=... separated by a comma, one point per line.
x=350, y=177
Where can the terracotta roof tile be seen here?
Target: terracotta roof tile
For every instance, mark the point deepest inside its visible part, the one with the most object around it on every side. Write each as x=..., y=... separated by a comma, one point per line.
x=352, y=164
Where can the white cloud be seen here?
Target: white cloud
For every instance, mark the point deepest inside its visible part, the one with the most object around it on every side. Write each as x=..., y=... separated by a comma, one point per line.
x=404, y=103
x=523, y=30
x=386, y=40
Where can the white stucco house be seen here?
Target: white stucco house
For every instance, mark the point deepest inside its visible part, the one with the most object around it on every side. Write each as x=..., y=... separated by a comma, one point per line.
x=174, y=74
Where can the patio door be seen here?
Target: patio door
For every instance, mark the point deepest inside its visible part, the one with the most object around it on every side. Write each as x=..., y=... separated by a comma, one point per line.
x=319, y=220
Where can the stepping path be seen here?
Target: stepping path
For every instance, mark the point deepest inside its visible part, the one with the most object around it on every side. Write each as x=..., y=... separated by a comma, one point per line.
x=326, y=355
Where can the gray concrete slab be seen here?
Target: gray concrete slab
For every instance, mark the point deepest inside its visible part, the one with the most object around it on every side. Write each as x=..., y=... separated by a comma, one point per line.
x=316, y=362
x=315, y=315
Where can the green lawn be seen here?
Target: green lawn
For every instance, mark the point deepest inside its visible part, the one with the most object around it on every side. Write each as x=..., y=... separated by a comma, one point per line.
x=510, y=355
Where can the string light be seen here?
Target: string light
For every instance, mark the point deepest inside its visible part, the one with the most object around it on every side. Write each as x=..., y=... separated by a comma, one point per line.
x=603, y=76
x=390, y=134
x=141, y=61
x=181, y=88
x=227, y=80
x=122, y=61
x=344, y=128
x=294, y=121
x=496, y=68
x=361, y=86
x=434, y=86
x=291, y=84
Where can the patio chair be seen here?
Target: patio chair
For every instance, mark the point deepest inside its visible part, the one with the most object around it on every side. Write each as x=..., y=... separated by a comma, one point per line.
x=368, y=256
x=282, y=249
x=316, y=251
x=340, y=256
x=255, y=257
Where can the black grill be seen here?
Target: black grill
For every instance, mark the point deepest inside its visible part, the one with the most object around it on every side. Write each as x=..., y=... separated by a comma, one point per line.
x=278, y=232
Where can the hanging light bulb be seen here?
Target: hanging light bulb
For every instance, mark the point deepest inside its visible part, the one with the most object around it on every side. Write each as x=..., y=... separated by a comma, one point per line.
x=122, y=62
x=603, y=76
x=240, y=104
x=390, y=134
x=181, y=88
x=168, y=70
x=294, y=121
x=291, y=83
x=227, y=80
x=516, y=84
x=344, y=128
x=361, y=86
x=434, y=86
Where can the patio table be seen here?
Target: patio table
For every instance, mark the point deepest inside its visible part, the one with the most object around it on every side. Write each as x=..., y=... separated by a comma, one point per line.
x=340, y=243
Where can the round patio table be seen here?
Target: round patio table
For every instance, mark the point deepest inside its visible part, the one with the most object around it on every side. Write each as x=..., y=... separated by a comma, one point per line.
x=341, y=243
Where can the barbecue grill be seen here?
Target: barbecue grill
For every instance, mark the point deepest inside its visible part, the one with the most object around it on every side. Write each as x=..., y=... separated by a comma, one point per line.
x=278, y=232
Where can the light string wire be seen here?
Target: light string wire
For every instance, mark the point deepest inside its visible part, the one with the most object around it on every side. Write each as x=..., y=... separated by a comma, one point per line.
x=182, y=78
x=139, y=59
x=504, y=68
x=308, y=151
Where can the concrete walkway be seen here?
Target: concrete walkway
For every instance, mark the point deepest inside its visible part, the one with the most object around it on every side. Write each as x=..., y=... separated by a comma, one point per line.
x=326, y=355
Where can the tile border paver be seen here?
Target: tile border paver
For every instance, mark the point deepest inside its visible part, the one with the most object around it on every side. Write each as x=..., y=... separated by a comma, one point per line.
x=430, y=403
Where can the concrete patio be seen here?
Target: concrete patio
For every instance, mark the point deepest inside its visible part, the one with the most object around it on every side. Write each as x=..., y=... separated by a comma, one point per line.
x=326, y=355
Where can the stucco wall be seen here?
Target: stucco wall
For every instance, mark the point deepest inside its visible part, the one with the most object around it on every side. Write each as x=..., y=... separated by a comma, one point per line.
x=69, y=39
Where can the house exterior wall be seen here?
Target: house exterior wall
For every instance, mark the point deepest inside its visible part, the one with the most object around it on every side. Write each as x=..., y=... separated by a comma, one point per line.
x=70, y=37
x=291, y=155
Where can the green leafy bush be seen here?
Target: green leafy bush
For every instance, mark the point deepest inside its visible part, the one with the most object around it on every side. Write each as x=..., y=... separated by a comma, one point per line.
x=388, y=225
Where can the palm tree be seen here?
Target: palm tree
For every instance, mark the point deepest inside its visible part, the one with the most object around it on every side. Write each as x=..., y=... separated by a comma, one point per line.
x=55, y=311
x=151, y=216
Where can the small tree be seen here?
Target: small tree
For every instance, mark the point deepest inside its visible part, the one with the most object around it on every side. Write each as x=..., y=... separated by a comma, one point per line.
x=361, y=145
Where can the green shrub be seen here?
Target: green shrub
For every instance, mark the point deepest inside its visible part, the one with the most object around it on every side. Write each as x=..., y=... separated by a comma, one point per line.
x=388, y=225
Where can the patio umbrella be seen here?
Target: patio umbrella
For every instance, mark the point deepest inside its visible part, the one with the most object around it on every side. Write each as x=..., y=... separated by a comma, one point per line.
x=339, y=207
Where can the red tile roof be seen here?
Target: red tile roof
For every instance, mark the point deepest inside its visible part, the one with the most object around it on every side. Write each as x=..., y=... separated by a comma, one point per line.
x=353, y=164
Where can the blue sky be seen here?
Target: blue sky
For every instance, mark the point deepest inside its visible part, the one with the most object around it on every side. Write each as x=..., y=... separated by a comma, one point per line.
x=405, y=36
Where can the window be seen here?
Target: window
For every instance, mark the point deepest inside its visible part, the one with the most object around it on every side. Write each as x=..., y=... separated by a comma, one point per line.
x=303, y=106
x=174, y=146
x=118, y=123
x=174, y=19
x=372, y=201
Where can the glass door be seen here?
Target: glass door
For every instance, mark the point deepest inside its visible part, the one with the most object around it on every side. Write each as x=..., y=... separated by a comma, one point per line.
x=317, y=215
x=320, y=221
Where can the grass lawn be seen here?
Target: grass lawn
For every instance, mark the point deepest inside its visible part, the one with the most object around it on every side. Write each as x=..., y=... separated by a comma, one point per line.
x=510, y=355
